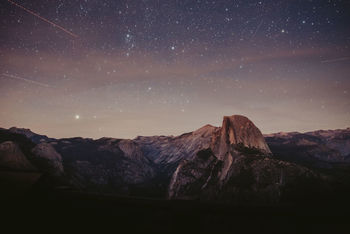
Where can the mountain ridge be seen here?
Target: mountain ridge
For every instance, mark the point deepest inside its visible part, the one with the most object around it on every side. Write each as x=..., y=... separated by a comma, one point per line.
x=231, y=163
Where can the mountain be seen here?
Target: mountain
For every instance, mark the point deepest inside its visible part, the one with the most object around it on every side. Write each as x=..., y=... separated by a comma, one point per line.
x=238, y=130
x=106, y=165
x=319, y=149
x=36, y=138
x=238, y=167
x=231, y=163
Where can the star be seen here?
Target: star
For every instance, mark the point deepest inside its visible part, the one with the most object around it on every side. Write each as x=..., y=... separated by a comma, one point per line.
x=156, y=56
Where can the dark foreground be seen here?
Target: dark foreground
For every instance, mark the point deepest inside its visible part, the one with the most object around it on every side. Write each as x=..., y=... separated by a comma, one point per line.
x=69, y=211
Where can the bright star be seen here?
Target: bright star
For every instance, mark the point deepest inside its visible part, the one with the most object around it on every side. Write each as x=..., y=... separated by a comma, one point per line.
x=77, y=117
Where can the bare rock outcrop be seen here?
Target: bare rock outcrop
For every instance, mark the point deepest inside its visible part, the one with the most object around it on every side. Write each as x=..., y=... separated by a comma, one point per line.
x=248, y=179
x=169, y=149
x=47, y=159
x=11, y=157
x=237, y=167
x=238, y=130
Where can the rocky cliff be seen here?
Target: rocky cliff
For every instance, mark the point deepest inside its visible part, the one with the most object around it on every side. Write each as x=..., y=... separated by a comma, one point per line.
x=248, y=179
x=237, y=167
x=238, y=130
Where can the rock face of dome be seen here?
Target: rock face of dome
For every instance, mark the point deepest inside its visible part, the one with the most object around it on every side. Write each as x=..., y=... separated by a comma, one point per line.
x=237, y=167
x=238, y=130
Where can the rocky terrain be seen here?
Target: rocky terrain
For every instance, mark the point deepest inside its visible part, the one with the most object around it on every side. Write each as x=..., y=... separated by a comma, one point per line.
x=238, y=167
x=320, y=149
x=232, y=163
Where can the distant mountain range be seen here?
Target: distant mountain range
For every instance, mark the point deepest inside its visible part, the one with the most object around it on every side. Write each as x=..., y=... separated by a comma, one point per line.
x=320, y=148
x=233, y=163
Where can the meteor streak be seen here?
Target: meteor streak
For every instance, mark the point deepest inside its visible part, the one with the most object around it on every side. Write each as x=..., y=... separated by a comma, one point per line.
x=42, y=18
x=257, y=29
x=335, y=60
x=26, y=80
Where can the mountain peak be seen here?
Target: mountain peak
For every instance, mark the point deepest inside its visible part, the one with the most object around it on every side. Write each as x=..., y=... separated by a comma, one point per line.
x=205, y=130
x=36, y=138
x=237, y=118
x=24, y=131
x=238, y=129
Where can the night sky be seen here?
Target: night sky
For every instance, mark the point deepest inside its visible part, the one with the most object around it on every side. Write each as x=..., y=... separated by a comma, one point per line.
x=123, y=68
